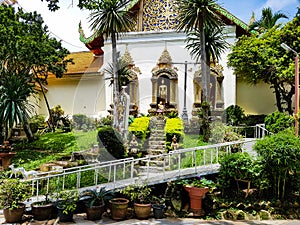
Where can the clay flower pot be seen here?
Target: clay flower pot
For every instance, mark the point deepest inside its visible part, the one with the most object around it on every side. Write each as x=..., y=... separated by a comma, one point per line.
x=196, y=195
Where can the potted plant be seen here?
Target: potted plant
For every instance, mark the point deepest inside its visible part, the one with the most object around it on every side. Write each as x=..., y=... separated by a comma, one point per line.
x=96, y=201
x=197, y=189
x=42, y=210
x=13, y=193
x=139, y=194
x=158, y=205
x=66, y=204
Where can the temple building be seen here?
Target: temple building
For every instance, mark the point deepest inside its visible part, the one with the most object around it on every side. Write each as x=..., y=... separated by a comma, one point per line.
x=161, y=70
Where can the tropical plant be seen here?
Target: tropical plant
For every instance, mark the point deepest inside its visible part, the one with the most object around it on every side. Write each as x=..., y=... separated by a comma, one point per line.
x=110, y=18
x=268, y=20
x=199, y=14
x=14, y=105
x=95, y=197
x=13, y=192
x=199, y=182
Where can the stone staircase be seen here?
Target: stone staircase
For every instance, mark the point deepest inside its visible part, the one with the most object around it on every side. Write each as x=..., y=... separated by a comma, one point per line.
x=157, y=142
x=156, y=145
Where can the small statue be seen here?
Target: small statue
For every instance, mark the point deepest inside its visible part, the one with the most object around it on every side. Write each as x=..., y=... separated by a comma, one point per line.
x=174, y=144
x=161, y=108
x=6, y=147
x=133, y=145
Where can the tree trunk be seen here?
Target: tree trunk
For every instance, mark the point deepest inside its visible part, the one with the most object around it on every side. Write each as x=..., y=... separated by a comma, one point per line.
x=28, y=131
x=203, y=63
x=51, y=125
x=115, y=78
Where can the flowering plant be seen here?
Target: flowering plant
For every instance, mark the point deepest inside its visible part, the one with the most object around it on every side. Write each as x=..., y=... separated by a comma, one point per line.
x=199, y=182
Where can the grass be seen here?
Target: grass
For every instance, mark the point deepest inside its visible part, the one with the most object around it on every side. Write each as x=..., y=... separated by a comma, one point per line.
x=52, y=146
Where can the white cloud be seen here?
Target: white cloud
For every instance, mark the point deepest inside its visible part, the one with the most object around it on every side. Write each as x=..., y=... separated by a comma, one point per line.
x=278, y=5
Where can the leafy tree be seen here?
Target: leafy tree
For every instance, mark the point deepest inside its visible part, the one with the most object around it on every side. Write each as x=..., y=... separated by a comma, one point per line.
x=199, y=15
x=26, y=48
x=267, y=21
x=278, y=121
x=261, y=59
x=110, y=17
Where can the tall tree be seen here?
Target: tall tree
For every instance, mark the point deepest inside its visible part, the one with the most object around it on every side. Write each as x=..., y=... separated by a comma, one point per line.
x=261, y=59
x=267, y=21
x=201, y=15
x=111, y=18
x=26, y=49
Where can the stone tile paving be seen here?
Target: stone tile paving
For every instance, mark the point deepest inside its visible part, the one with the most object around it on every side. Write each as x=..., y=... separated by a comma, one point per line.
x=79, y=219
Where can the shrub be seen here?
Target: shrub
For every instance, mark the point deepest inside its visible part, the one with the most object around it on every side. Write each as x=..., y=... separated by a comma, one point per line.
x=234, y=115
x=140, y=127
x=280, y=159
x=36, y=122
x=112, y=141
x=235, y=166
x=174, y=126
x=278, y=121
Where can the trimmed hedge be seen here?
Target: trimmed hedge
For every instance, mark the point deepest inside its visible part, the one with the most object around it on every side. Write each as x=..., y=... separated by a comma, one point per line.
x=110, y=139
x=174, y=126
x=140, y=127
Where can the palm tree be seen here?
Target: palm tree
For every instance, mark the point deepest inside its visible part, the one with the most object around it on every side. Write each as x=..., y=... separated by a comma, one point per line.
x=15, y=108
x=111, y=18
x=267, y=21
x=201, y=15
x=215, y=42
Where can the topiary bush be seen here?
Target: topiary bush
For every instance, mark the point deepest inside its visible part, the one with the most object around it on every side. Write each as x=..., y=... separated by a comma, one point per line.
x=278, y=121
x=140, y=127
x=174, y=126
x=110, y=139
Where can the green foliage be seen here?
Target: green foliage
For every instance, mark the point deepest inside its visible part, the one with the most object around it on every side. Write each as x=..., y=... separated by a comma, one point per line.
x=280, y=155
x=82, y=122
x=235, y=166
x=67, y=200
x=234, y=115
x=172, y=114
x=13, y=192
x=95, y=197
x=278, y=121
x=36, y=122
x=174, y=126
x=221, y=133
x=139, y=193
x=112, y=141
x=140, y=127
x=200, y=182
x=261, y=59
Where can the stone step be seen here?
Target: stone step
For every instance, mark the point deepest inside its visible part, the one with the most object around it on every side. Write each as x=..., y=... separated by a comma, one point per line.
x=156, y=142
x=157, y=146
x=156, y=151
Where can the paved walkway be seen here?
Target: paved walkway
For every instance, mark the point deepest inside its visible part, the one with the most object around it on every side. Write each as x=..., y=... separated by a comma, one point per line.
x=79, y=219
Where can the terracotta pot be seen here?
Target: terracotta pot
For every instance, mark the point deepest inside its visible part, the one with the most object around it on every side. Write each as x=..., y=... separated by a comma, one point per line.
x=196, y=195
x=142, y=211
x=119, y=208
x=15, y=215
x=95, y=212
x=41, y=212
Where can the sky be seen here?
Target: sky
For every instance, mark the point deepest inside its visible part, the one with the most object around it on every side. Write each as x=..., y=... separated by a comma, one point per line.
x=63, y=24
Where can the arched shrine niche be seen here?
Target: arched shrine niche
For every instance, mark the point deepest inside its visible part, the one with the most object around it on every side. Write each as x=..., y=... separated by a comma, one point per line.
x=132, y=88
x=164, y=85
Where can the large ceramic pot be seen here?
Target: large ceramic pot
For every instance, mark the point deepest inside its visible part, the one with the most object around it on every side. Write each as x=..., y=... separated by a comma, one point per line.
x=41, y=211
x=196, y=195
x=142, y=211
x=95, y=212
x=14, y=215
x=118, y=208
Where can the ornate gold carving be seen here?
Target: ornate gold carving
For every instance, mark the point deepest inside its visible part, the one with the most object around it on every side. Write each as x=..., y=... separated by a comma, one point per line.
x=165, y=58
x=159, y=15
